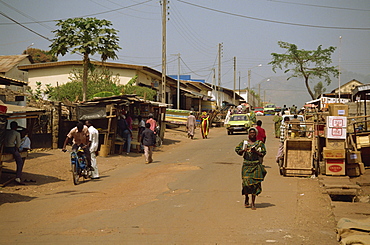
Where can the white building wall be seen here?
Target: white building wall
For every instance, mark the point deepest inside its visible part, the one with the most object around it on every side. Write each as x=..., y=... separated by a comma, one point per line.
x=60, y=75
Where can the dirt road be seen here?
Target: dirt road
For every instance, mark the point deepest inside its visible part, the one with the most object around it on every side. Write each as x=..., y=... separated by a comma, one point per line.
x=190, y=194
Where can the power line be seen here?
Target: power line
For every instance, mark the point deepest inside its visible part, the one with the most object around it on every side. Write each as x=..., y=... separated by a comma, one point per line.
x=125, y=14
x=38, y=34
x=275, y=21
x=25, y=15
x=319, y=6
x=189, y=30
x=88, y=15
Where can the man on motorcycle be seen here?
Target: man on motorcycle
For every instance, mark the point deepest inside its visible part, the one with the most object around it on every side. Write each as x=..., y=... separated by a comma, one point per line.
x=80, y=136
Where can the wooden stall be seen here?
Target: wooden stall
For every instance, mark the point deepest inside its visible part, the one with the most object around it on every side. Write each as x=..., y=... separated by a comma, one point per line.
x=105, y=112
x=14, y=113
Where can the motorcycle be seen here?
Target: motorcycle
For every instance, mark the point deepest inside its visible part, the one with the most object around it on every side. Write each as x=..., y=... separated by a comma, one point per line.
x=79, y=165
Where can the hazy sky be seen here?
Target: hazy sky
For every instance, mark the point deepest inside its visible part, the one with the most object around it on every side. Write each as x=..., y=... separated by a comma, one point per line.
x=248, y=30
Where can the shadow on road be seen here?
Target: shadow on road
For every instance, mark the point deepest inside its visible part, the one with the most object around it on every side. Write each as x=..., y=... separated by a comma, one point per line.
x=29, y=178
x=33, y=155
x=264, y=205
x=14, y=198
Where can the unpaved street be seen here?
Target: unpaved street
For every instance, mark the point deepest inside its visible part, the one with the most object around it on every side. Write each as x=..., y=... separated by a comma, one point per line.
x=190, y=194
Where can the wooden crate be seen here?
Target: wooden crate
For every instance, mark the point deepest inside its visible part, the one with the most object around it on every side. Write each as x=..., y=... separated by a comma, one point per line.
x=298, y=157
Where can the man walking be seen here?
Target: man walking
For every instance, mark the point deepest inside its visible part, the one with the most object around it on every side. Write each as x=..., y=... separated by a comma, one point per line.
x=277, y=122
x=124, y=123
x=11, y=145
x=94, y=139
x=261, y=132
x=148, y=140
x=191, y=125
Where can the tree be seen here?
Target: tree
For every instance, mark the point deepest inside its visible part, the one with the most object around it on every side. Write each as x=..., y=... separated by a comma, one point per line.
x=40, y=56
x=101, y=81
x=87, y=36
x=319, y=89
x=306, y=64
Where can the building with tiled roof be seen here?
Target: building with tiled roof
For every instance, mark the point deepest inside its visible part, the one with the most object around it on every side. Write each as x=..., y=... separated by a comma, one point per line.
x=9, y=66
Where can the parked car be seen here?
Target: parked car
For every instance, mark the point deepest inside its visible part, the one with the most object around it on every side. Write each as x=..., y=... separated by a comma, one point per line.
x=238, y=123
x=258, y=111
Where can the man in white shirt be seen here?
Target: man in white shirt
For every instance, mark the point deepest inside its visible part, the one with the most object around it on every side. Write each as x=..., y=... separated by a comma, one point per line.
x=94, y=139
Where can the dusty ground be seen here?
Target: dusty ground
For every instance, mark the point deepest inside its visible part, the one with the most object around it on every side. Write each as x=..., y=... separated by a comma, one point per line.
x=188, y=207
x=50, y=169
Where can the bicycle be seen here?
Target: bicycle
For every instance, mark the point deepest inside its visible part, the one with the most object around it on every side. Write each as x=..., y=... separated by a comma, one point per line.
x=79, y=166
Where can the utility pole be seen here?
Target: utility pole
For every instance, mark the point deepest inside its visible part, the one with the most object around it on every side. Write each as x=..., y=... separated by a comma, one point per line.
x=340, y=60
x=219, y=72
x=178, y=81
x=214, y=87
x=239, y=85
x=164, y=31
x=234, y=79
x=249, y=87
x=259, y=94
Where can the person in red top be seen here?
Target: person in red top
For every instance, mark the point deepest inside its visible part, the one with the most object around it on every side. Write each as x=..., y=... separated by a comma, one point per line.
x=152, y=122
x=261, y=132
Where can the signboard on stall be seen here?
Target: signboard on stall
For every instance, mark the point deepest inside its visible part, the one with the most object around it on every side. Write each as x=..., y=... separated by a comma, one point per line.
x=324, y=101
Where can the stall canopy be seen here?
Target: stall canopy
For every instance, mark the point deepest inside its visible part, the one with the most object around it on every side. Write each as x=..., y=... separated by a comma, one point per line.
x=16, y=111
x=95, y=108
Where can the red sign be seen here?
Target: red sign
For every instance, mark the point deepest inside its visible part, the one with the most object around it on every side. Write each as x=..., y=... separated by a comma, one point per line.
x=335, y=168
x=335, y=161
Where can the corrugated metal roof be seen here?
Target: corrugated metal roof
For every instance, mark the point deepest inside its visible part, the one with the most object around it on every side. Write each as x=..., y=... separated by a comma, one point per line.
x=143, y=69
x=11, y=109
x=7, y=62
x=122, y=99
x=10, y=81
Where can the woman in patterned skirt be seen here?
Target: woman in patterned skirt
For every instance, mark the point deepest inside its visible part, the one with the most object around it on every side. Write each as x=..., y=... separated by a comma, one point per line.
x=253, y=172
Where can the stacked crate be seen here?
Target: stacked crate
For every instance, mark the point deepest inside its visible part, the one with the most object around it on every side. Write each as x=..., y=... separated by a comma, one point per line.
x=334, y=153
x=354, y=166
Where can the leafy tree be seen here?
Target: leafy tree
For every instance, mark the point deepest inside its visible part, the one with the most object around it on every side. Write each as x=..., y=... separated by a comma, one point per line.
x=102, y=83
x=319, y=89
x=100, y=80
x=40, y=56
x=306, y=64
x=140, y=91
x=87, y=36
x=39, y=93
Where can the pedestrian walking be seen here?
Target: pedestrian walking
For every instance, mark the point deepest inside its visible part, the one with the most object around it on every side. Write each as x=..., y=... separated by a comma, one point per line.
x=94, y=139
x=148, y=140
x=191, y=125
x=12, y=142
x=204, y=126
x=252, y=117
x=152, y=122
x=140, y=131
x=277, y=123
x=284, y=131
x=261, y=135
x=253, y=172
x=125, y=125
